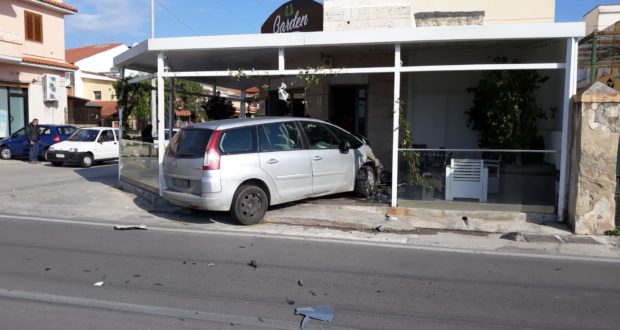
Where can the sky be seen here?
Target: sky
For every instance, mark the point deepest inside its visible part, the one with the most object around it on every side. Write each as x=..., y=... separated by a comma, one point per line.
x=128, y=21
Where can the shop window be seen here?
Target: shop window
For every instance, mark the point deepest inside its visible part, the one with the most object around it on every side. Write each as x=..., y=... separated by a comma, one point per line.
x=97, y=95
x=34, y=26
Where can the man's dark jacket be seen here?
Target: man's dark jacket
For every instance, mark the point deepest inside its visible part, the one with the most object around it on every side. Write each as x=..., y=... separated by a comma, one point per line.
x=32, y=133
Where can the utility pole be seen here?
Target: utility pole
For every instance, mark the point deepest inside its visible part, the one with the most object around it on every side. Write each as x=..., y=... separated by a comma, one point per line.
x=152, y=19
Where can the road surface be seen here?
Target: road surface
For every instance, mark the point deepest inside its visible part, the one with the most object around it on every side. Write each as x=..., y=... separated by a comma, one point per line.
x=162, y=279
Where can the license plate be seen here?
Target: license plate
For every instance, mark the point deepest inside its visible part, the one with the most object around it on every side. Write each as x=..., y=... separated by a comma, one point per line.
x=181, y=183
x=60, y=155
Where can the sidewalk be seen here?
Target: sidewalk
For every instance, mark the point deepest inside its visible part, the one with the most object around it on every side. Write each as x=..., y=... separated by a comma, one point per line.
x=90, y=196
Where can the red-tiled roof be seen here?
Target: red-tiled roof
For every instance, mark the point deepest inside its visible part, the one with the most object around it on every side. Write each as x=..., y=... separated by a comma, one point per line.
x=57, y=64
x=59, y=5
x=75, y=54
x=183, y=113
x=108, y=108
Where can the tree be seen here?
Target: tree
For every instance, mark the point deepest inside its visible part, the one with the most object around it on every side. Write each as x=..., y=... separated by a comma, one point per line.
x=218, y=107
x=135, y=99
x=505, y=110
x=189, y=95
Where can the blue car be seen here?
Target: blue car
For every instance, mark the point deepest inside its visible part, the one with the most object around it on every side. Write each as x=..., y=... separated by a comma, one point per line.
x=17, y=145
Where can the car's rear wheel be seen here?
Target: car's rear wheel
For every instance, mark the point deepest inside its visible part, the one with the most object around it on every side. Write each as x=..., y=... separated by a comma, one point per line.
x=249, y=205
x=45, y=156
x=366, y=181
x=57, y=164
x=5, y=153
x=87, y=160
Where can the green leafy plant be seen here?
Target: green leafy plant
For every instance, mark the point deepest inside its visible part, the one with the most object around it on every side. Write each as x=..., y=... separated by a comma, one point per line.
x=505, y=111
x=134, y=98
x=411, y=158
x=217, y=107
x=613, y=232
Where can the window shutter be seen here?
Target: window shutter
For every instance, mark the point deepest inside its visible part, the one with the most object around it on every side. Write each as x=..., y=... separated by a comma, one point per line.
x=29, y=26
x=38, y=28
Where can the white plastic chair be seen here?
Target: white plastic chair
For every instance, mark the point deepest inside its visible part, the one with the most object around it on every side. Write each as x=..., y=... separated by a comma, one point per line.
x=467, y=178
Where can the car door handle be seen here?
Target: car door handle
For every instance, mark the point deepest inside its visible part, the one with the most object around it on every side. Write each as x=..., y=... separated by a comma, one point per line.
x=317, y=158
x=272, y=161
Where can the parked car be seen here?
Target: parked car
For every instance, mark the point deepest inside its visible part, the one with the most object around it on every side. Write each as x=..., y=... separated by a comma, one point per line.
x=85, y=147
x=246, y=165
x=17, y=145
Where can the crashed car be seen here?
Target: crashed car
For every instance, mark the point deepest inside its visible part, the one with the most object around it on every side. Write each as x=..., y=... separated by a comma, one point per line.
x=246, y=165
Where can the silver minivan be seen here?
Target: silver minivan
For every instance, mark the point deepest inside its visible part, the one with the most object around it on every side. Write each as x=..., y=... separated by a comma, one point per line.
x=246, y=165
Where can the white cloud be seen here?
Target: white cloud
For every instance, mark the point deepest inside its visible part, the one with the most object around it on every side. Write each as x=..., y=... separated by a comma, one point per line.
x=109, y=17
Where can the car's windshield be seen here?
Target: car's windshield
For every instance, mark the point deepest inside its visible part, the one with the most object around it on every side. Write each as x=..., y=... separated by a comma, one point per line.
x=84, y=135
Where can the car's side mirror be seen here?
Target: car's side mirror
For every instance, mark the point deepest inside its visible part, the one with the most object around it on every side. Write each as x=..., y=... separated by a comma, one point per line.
x=345, y=146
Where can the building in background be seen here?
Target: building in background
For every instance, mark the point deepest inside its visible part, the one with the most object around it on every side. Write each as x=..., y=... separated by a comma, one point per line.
x=599, y=51
x=601, y=17
x=32, y=63
x=94, y=82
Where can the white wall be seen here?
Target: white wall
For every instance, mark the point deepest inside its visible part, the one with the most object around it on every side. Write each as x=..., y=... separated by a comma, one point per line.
x=601, y=17
x=47, y=112
x=102, y=62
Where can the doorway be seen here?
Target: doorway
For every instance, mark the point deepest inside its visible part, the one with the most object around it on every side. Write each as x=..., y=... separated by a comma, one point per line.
x=13, y=110
x=295, y=107
x=347, y=108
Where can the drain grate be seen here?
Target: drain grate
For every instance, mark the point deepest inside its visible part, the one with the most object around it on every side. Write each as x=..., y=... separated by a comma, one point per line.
x=536, y=238
x=580, y=240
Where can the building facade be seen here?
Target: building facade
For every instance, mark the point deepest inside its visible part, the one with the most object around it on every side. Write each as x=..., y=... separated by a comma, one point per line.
x=601, y=17
x=32, y=63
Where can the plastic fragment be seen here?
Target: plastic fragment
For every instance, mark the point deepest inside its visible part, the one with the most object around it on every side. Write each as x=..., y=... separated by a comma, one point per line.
x=98, y=284
x=321, y=313
x=138, y=227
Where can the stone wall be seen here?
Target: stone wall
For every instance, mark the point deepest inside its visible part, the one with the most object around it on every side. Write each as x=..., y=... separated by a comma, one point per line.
x=438, y=18
x=596, y=132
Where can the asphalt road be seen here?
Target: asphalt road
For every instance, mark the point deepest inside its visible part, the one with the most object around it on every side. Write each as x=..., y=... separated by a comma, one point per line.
x=166, y=279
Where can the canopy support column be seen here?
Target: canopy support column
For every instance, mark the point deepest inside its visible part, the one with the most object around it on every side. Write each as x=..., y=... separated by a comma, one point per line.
x=160, y=119
x=395, y=124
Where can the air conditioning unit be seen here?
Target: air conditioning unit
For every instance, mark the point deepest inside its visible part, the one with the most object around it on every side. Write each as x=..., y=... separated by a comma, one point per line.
x=50, y=87
x=69, y=79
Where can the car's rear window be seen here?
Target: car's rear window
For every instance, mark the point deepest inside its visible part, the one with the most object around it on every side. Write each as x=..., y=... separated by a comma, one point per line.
x=189, y=143
x=66, y=130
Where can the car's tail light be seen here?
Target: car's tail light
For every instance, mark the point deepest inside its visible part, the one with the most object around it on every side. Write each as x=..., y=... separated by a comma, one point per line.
x=56, y=139
x=212, y=155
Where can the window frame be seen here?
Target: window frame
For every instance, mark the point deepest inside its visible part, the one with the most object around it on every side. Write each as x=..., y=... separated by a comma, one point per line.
x=319, y=125
x=253, y=134
x=97, y=96
x=296, y=125
x=30, y=31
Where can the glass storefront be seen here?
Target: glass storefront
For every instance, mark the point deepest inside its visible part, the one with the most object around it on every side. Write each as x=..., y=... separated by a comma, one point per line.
x=13, y=110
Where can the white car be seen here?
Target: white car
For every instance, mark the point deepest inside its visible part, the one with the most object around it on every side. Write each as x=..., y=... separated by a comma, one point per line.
x=86, y=146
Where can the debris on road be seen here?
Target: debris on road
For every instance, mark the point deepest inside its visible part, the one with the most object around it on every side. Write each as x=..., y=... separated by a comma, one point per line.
x=211, y=265
x=321, y=313
x=377, y=230
x=47, y=269
x=138, y=227
x=300, y=283
x=289, y=301
x=253, y=264
x=98, y=284
x=514, y=236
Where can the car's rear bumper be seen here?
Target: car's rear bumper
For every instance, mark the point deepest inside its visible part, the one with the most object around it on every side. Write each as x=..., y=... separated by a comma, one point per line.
x=209, y=202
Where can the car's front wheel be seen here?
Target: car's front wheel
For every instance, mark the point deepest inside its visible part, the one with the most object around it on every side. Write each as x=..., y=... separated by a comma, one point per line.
x=366, y=181
x=5, y=153
x=87, y=160
x=249, y=205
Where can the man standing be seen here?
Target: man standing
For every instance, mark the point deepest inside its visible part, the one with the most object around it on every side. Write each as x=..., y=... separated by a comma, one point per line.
x=32, y=134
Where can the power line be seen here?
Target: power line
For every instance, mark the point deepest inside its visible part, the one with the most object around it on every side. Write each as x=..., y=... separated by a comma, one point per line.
x=176, y=17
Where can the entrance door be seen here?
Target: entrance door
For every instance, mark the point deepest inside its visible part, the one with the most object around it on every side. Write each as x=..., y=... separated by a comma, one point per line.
x=348, y=108
x=13, y=112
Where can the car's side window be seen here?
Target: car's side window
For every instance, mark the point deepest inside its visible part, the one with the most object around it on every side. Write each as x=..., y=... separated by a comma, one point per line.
x=238, y=141
x=21, y=132
x=118, y=134
x=283, y=136
x=345, y=136
x=106, y=136
x=263, y=140
x=44, y=130
x=319, y=136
